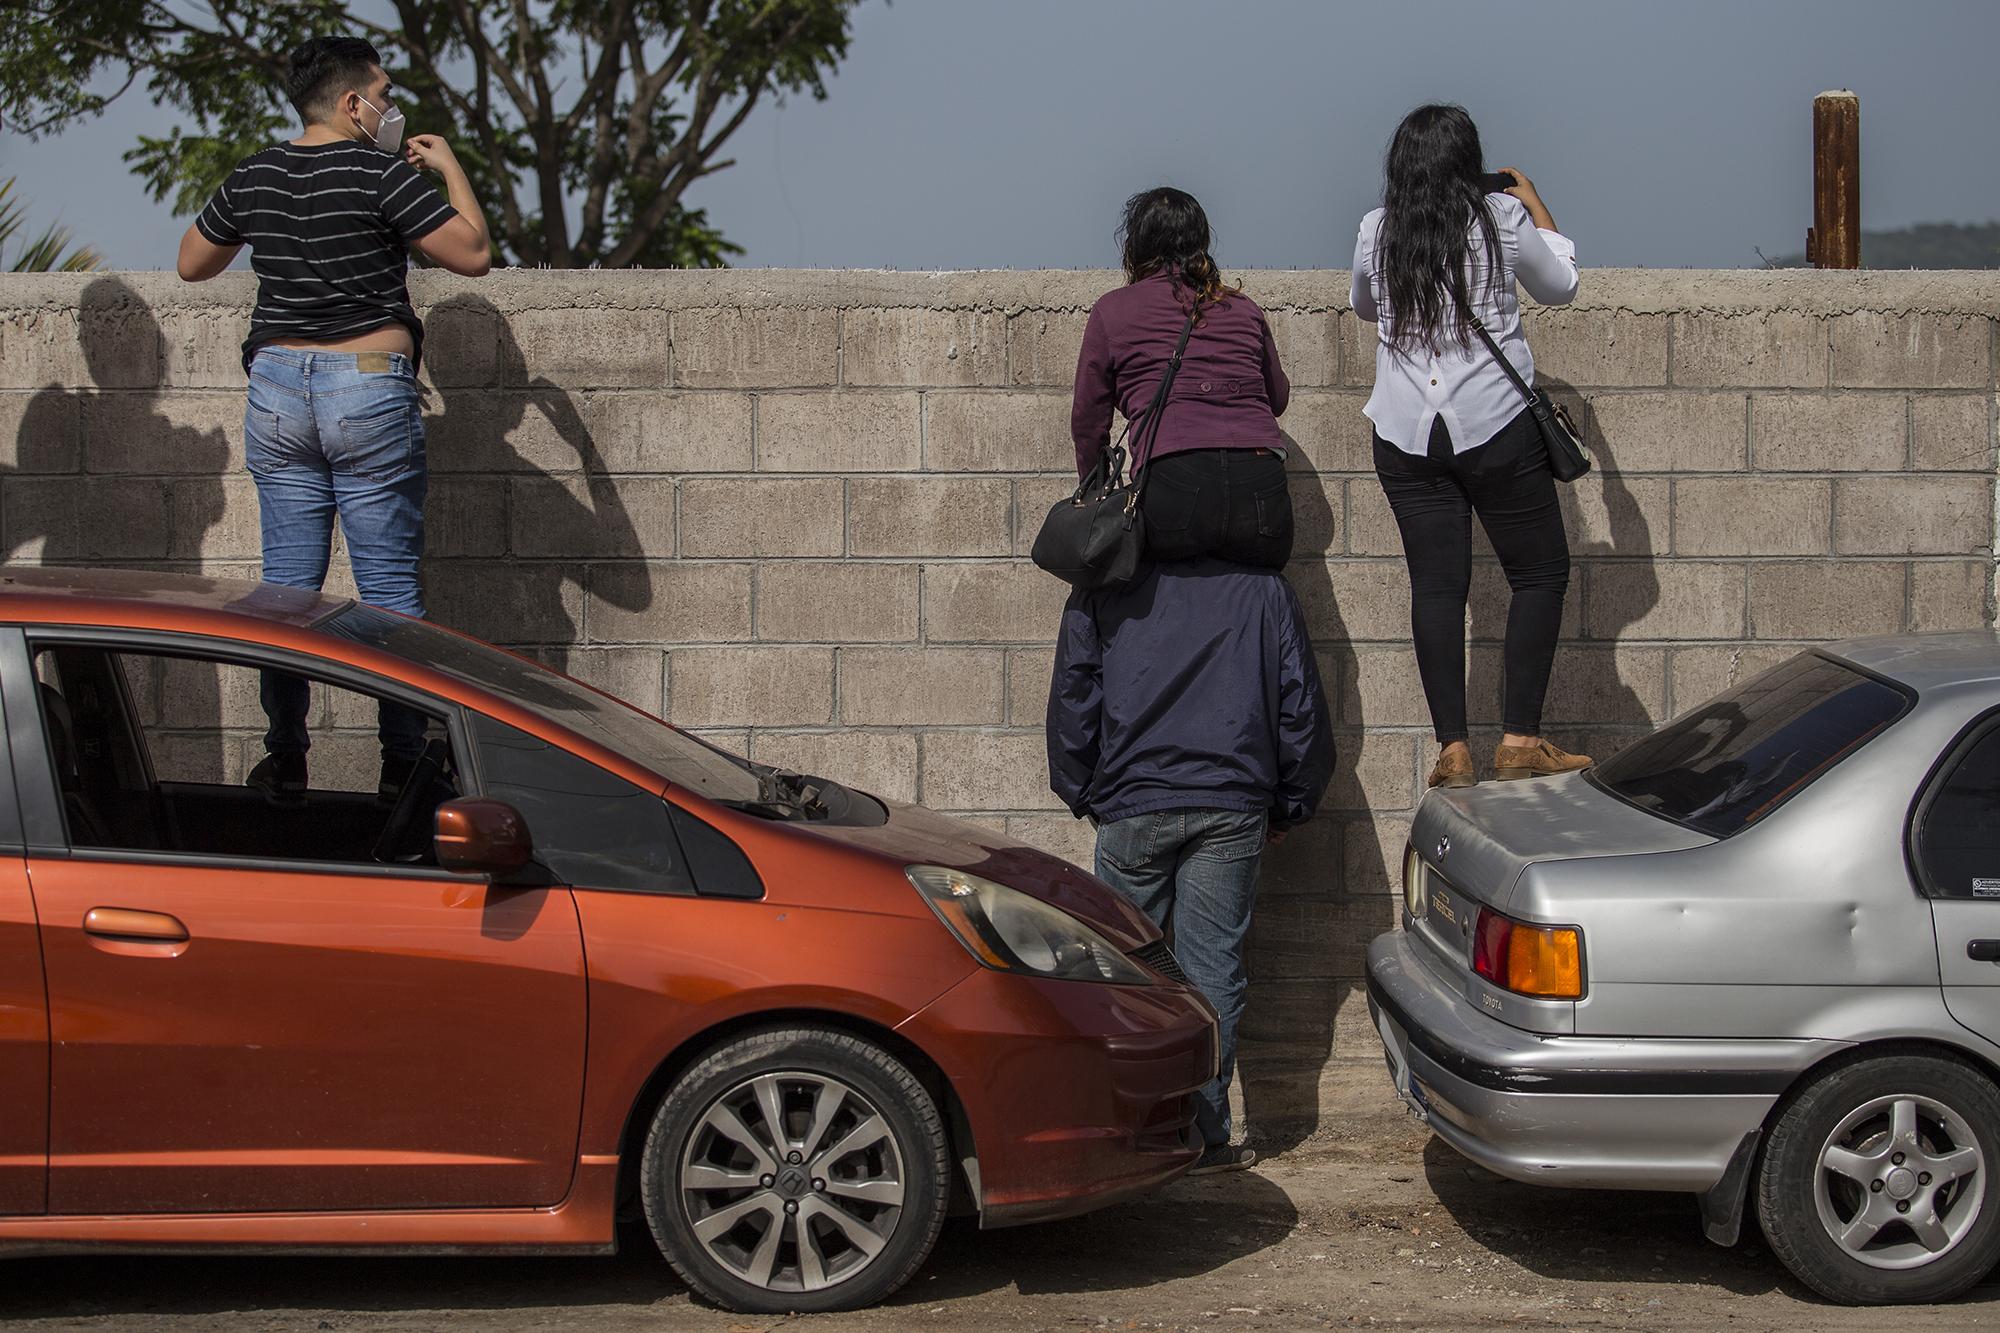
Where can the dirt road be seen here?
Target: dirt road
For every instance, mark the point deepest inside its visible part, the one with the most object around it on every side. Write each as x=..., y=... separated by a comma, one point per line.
x=1366, y=1222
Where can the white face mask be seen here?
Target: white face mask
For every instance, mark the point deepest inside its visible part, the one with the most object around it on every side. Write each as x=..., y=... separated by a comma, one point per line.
x=388, y=134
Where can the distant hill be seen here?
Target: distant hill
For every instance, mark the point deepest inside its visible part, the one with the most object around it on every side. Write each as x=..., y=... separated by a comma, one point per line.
x=1926, y=245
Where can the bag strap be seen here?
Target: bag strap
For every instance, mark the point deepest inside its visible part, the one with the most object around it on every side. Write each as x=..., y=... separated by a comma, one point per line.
x=1150, y=431
x=1507, y=367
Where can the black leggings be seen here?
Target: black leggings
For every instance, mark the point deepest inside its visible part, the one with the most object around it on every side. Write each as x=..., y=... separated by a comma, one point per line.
x=1232, y=504
x=1507, y=482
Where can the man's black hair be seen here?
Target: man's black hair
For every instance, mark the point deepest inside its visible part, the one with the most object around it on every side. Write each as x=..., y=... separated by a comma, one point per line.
x=324, y=68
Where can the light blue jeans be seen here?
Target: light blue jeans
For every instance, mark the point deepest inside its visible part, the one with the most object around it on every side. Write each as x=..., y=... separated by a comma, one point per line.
x=338, y=434
x=1194, y=872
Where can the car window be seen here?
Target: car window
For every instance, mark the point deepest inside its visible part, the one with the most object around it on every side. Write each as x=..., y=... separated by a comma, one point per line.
x=676, y=756
x=1958, y=833
x=1732, y=761
x=155, y=752
x=590, y=828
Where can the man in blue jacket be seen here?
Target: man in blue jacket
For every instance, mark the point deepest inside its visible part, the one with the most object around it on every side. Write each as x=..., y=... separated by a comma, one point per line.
x=1187, y=721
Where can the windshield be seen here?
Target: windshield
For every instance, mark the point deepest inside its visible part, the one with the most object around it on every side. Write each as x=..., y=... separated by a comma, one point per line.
x=1735, y=759
x=674, y=755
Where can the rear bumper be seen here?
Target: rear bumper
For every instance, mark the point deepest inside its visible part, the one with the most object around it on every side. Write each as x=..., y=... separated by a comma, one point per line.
x=1078, y=1095
x=1602, y=1112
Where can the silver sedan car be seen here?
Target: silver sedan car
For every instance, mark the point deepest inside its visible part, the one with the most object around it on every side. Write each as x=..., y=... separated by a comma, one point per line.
x=1755, y=956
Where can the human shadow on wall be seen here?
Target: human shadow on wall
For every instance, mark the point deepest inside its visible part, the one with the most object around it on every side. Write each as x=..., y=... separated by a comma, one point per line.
x=103, y=476
x=1591, y=708
x=1324, y=892
x=517, y=513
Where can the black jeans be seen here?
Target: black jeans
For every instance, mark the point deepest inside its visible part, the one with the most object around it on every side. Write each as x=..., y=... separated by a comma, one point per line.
x=1232, y=504
x=1506, y=481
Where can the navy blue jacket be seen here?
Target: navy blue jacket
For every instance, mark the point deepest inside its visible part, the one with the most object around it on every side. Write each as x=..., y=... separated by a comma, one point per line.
x=1194, y=688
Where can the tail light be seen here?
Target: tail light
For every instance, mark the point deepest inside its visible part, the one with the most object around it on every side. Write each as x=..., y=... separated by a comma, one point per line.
x=1544, y=961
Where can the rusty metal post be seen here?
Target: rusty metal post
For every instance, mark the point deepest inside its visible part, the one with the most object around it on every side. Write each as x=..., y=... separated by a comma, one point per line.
x=1834, y=239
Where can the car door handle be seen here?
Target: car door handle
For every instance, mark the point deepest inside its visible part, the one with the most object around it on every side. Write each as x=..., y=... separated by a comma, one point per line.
x=122, y=923
x=1983, y=951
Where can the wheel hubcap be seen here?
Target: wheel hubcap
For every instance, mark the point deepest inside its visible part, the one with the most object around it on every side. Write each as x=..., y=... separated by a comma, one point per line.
x=1900, y=1182
x=792, y=1181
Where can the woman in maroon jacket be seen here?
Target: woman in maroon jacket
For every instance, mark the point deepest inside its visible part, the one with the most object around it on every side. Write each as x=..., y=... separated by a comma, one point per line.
x=1217, y=461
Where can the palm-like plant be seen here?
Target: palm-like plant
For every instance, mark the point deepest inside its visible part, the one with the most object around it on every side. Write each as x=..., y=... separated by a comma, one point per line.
x=50, y=252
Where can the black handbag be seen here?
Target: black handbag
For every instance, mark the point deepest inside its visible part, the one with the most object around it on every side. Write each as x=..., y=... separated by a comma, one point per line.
x=1097, y=537
x=1569, y=458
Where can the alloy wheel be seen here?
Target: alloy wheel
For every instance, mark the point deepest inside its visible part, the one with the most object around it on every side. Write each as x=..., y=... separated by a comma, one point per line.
x=1899, y=1181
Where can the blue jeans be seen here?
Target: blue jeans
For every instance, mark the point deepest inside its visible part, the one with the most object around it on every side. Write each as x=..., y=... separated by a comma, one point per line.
x=1195, y=872
x=331, y=434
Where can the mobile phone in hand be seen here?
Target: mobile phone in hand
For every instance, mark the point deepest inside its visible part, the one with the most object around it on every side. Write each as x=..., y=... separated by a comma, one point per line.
x=1497, y=182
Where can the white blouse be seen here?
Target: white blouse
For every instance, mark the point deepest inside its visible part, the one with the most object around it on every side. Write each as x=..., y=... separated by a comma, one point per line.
x=1462, y=384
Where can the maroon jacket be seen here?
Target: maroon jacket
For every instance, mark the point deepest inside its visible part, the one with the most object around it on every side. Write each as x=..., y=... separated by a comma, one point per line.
x=1228, y=395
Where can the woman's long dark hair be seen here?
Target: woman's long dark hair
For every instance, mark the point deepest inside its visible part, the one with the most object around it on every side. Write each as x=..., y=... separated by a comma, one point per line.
x=1164, y=229
x=1433, y=193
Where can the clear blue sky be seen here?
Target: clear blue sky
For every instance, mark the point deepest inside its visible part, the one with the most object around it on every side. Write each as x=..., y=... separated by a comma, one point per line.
x=977, y=133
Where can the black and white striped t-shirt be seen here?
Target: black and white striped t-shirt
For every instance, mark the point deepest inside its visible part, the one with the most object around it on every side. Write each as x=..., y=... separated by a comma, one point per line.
x=329, y=228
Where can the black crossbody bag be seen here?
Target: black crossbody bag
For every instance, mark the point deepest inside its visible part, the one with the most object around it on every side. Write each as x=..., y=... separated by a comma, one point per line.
x=1097, y=537
x=1568, y=457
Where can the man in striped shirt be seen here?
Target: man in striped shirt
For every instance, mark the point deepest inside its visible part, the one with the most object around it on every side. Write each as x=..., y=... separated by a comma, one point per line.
x=333, y=428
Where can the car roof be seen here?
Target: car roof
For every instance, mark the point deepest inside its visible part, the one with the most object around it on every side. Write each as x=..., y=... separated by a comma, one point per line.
x=53, y=595
x=1927, y=661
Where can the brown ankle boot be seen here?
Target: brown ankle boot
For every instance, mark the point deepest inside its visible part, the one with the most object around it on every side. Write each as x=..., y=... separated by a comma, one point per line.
x=1454, y=769
x=1539, y=760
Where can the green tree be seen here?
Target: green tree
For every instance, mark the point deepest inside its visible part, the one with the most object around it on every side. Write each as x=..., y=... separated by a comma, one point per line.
x=581, y=122
x=50, y=252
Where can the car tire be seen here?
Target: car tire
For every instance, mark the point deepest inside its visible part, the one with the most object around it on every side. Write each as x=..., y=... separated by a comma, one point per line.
x=1927, y=1128
x=856, y=1192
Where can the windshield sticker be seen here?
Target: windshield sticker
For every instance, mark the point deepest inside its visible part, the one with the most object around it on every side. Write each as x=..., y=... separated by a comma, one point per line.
x=1986, y=888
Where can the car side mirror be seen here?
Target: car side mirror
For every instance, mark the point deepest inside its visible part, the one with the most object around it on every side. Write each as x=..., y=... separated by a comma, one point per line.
x=476, y=835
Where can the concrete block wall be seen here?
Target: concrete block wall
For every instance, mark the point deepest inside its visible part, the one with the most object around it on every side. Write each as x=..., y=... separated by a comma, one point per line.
x=791, y=509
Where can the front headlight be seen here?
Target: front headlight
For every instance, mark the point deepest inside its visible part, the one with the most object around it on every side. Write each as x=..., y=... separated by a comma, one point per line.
x=1011, y=931
x=1416, y=883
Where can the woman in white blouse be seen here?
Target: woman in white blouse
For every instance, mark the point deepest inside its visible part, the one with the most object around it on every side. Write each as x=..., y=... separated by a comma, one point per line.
x=1452, y=434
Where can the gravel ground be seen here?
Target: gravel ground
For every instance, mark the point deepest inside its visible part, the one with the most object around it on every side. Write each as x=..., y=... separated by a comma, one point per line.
x=1366, y=1221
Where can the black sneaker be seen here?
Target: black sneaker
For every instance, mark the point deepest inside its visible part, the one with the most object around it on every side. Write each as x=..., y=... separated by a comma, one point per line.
x=281, y=776
x=1223, y=1157
x=395, y=776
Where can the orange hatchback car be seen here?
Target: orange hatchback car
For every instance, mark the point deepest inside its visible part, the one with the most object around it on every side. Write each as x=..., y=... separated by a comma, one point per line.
x=579, y=965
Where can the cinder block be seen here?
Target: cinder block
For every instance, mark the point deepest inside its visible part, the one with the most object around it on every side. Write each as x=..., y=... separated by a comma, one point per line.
x=672, y=432
x=1951, y=433
x=588, y=349
x=1874, y=350
x=513, y=603
x=1371, y=865
x=1843, y=432
x=1356, y=600
x=215, y=518
x=1951, y=594
x=929, y=516
x=463, y=343
x=1308, y=345
x=1925, y=515
x=991, y=602
x=466, y=516
x=987, y=770
x=1775, y=348
x=923, y=348
x=1700, y=674
x=922, y=687
x=767, y=516
x=122, y=343
x=839, y=432
x=1667, y=599
x=1061, y=835
x=212, y=696
x=1612, y=514
x=1359, y=343
x=1373, y=771
x=1665, y=432
x=152, y=434
x=1824, y=599
x=753, y=349
x=80, y=519
x=882, y=763
x=998, y=432
x=1764, y=516
x=635, y=675
x=1319, y=504
x=39, y=348
x=1307, y=862
x=1329, y=433
x=1028, y=674
x=1592, y=348
x=750, y=687
x=836, y=602
x=675, y=601
x=1043, y=346
x=40, y=432
x=592, y=518
x=1296, y=937
x=1604, y=687
x=204, y=349
x=1382, y=689
x=1371, y=524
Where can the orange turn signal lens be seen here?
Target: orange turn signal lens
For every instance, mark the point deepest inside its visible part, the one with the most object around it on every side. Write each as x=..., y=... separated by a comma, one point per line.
x=1543, y=961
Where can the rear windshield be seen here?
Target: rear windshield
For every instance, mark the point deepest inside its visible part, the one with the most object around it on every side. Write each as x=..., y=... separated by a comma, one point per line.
x=1735, y=759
